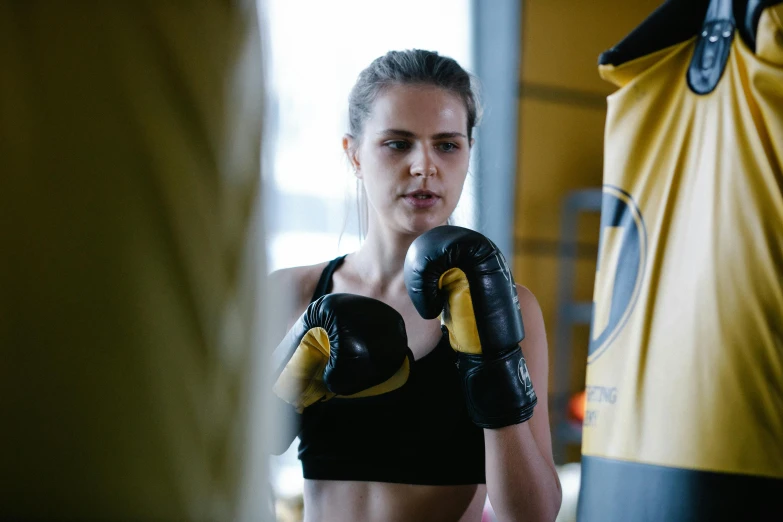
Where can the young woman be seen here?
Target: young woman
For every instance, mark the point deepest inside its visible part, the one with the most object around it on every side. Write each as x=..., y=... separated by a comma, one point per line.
x=414, y=453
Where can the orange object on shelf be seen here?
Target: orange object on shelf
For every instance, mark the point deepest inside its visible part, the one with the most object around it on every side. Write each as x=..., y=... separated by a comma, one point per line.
x=576, y=406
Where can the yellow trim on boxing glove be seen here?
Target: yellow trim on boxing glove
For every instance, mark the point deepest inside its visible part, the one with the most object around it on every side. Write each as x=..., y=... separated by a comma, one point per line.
x=458, y=315
x=392, y=383
x=301, y=381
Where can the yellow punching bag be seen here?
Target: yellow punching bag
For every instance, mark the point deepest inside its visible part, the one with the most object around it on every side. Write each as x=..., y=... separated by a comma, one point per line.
x=684, y=416
x=129, y=188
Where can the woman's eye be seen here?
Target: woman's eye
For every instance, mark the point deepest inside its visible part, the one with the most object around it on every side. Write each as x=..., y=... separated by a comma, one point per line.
x=448, y=147
x=398, y=145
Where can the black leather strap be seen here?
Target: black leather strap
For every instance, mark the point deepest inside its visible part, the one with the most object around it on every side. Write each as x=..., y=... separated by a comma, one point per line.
x=498, y=390
x=748, y=23
x=712, y=47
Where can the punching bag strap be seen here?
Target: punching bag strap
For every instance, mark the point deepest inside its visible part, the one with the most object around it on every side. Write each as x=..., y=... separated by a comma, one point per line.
x=712, y=47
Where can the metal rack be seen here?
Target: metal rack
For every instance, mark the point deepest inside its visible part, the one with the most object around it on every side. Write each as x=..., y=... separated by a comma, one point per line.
x=569, y=314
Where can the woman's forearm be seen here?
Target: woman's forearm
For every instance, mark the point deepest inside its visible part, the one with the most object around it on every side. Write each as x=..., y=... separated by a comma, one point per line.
x=521, y=482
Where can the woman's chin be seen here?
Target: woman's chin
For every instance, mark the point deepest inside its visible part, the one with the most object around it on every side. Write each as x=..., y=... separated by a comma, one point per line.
x=422, y=223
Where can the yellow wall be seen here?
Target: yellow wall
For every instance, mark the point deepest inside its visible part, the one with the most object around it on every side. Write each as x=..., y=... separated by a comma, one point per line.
x=561, y=119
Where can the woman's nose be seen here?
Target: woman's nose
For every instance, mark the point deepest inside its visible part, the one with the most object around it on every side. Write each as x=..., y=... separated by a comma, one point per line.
x=423, y=166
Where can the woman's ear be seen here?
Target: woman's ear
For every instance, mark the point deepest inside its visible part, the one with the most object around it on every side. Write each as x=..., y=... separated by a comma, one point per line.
x=350, y=146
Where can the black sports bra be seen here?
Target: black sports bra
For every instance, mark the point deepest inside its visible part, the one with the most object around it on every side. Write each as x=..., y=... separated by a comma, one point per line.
x=417, y=434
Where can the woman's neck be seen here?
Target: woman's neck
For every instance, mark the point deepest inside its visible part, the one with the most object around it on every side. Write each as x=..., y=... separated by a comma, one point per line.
x=381, y=257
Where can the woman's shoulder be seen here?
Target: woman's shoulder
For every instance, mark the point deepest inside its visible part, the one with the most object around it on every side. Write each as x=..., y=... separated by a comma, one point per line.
x=526, y=298
x=297, y=282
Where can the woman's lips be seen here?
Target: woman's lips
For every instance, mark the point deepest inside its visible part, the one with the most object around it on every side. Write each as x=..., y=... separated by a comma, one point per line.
x=421, y=199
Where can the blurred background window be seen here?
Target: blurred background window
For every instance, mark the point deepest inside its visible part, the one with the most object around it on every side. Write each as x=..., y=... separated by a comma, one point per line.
x=317, y=51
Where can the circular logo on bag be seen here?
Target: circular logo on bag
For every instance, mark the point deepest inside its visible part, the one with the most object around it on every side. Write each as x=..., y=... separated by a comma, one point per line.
x=620, y=268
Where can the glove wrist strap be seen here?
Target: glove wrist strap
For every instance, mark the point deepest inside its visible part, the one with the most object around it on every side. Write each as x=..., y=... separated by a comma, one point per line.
x=498, y=390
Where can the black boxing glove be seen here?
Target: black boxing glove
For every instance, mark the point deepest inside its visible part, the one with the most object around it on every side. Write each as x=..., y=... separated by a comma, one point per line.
x=343, y=345
x=462, y=276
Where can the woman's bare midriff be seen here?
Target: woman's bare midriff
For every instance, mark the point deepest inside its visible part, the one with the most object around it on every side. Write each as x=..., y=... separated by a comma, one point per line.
x=342, y=501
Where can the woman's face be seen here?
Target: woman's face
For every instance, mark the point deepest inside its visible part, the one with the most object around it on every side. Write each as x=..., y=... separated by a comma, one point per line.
x=413, y=156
